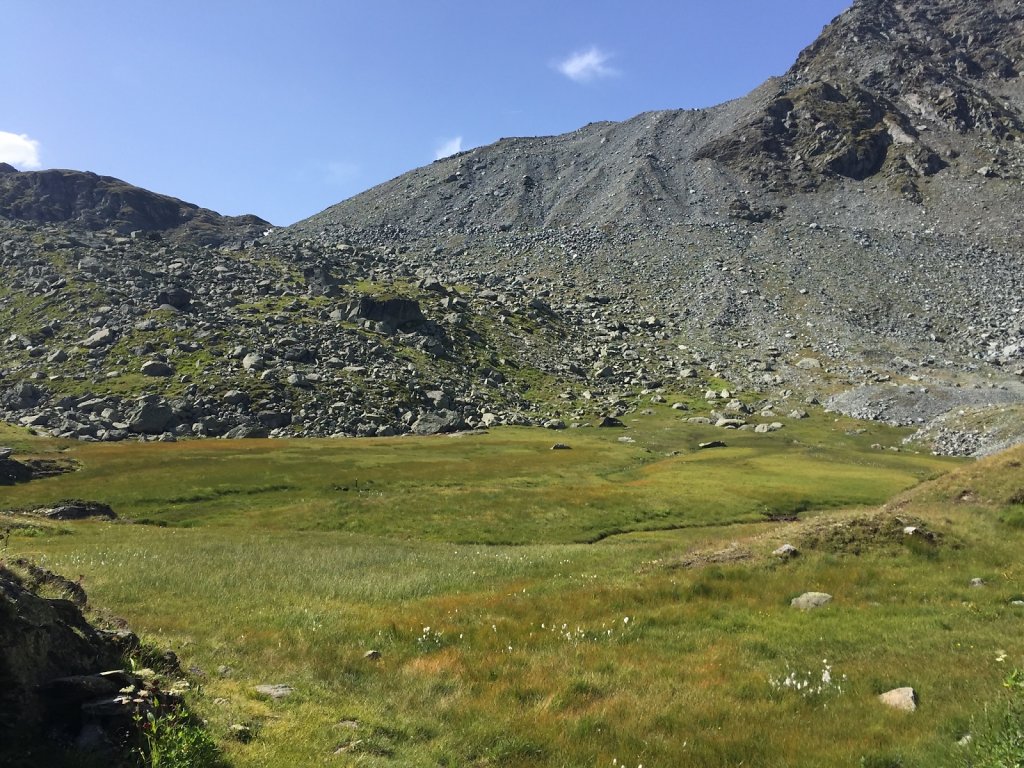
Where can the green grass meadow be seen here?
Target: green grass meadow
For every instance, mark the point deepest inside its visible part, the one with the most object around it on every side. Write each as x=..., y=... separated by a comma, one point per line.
x=611, y=604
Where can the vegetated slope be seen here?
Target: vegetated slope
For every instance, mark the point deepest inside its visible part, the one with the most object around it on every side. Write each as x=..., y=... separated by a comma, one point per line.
x=850, y=222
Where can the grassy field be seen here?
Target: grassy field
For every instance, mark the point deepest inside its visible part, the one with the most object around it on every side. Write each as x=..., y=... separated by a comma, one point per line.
x=611, y=604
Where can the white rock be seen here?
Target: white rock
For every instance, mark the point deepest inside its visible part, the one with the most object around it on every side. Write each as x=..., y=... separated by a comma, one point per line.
x=900, y=698
x=808, y=601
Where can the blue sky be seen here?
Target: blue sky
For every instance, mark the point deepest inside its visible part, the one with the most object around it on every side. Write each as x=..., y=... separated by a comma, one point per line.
x=282, y=109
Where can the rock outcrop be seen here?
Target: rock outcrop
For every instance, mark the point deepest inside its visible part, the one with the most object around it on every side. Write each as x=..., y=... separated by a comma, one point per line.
x=64, y=691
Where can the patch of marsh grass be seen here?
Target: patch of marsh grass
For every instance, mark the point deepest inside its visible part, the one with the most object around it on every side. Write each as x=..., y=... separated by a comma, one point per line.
x=549, y=652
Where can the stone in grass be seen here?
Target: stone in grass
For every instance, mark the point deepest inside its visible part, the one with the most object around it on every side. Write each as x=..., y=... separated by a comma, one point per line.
x=156, y=368
x=977, y=582
x=904, y=699
x=241, y=733
x=275, y=691
x=560, y=447
x=372, y=655
x=808, y=601
x=786, y=552
x=710, y=444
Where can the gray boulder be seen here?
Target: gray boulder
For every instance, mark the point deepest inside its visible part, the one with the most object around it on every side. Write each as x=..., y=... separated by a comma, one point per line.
x=151, y=417
x=246, y=431
x=438, y=422
x=274, y=691
x=786, y=552
x=156, y=368
x=100, y=338
x=274, y=419
x=77, y=510
x=253, y=362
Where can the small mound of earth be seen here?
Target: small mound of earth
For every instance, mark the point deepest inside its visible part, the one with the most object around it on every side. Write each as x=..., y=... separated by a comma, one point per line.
x=50, y=467
x=734, y=553
x=858, y=535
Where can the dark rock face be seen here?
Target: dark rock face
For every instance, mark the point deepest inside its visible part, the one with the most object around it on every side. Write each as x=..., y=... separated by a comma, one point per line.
x=65, y=698
x=42, y=640
x=11, y=470
x=399, y=313
x=103, y=202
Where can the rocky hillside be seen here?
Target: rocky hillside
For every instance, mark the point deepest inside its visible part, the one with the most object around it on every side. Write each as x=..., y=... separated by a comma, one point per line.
x=845, y=224
x=887, y=156
x=91, y=202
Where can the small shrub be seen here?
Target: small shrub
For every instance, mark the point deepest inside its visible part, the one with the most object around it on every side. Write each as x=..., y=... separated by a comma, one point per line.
x=1013, y=518
x=174, y=739
x=999, y=740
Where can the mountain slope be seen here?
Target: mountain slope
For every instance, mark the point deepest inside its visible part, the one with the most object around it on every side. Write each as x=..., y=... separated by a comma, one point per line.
x=855, y=206
x=852, y=222
x=888, y=89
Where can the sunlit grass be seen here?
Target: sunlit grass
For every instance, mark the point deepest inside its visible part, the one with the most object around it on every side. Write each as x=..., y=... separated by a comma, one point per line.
x=507, y=640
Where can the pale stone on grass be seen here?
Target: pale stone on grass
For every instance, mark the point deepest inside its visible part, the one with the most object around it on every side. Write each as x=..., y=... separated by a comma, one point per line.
x=808, y=601
x=904, y=699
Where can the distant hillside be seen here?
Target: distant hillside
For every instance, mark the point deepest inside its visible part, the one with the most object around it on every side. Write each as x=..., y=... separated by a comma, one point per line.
x=101, y=202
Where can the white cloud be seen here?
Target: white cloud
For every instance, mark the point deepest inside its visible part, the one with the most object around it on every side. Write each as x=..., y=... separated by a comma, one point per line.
x=450, y=147
x=584, y=66
x=19, y=150
x=341, y=173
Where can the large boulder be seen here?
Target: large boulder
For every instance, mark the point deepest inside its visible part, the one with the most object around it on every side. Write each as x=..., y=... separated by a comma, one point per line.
x=438, y=422
x=65, y=698
x=22, y=395
x=402, y=314
x=100, y=338
x=77, y=510
x=152, y=416
x=156, y=368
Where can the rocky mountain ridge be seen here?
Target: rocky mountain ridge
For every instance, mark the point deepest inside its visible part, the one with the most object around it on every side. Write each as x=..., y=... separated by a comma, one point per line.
x=87, y=201
x=845, y=224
